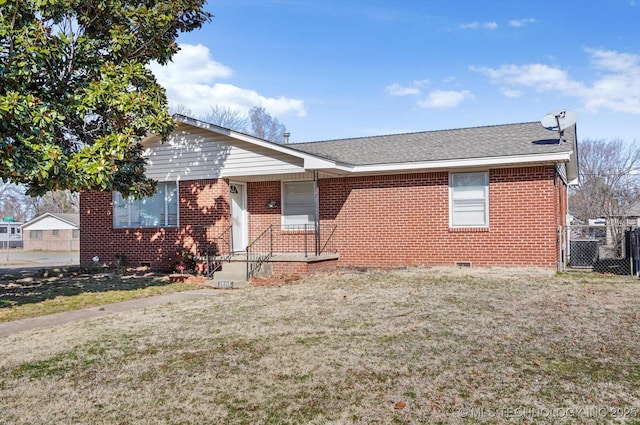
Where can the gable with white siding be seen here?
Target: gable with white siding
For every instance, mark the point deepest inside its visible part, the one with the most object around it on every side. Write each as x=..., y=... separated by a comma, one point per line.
x=49, y=221
x=193, y=153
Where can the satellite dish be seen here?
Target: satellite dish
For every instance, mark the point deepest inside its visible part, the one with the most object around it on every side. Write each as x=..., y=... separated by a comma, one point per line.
x=559, y=120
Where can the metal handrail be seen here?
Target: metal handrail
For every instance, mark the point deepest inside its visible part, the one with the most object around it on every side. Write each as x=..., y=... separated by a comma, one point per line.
x=303, y=238
x=323, y=247
x=311, y=238
x=214, y=262
x=229, y=241
x=256, y=259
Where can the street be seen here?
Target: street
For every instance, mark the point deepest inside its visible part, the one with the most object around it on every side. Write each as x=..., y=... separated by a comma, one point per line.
x=17, y=258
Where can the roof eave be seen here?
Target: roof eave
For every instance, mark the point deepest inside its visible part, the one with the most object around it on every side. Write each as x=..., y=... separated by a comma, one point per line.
x=457, y=163
x=42, y=216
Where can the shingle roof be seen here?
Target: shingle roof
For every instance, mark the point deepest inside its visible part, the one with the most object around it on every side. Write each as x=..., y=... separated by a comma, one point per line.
x=73, y=218
x=465, y=143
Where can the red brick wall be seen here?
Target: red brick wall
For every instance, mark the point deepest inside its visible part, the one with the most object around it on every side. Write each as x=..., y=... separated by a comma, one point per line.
x=261, y=217
x=404, y=220
x=383, y=221
x=203, y=215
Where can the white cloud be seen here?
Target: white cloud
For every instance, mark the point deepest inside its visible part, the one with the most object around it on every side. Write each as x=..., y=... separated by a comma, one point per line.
x=396, y=90
x=470, y=26
x=608, y=60
x=194, y=62
x=507, y=92
x=539, y=76
x=521, y=22
x=616, y=87
x=193, y=80
x=414, y=88
x=443, y=99
x=475, y=25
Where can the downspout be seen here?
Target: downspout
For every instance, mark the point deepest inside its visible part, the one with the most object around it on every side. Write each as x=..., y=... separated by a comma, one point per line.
x=316, y=200
x=566, y=229
x=557, y=200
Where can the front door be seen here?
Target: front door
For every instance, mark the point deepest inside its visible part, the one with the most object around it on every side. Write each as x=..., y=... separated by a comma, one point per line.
x=239, y=216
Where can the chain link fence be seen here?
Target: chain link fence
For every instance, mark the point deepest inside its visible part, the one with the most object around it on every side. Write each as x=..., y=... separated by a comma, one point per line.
x=601, y=248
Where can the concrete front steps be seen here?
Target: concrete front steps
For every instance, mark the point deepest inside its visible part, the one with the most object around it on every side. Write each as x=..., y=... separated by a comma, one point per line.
x=232, y=275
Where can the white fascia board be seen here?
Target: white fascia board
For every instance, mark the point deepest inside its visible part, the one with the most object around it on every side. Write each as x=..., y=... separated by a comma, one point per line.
x=315, y=163
x=35, y=220
x=572, y=167
x=458, y=163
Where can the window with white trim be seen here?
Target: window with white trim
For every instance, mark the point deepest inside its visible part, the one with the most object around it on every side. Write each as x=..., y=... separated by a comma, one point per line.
x=159, y=210
x=298, y=204
x=469, y=199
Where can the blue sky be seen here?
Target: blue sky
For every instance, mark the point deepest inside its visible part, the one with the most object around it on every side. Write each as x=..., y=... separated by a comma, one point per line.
x=335, y=69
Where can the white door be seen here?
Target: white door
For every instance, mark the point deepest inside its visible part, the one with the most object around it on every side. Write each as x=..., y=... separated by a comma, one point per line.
x=239, y=216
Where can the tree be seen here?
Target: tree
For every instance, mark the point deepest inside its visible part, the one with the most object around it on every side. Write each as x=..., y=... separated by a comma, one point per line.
x=259, y=122
x=226, y=117
x=180, y=109
x=609, y=183
x=60, y=201
x=264, y=126
x=76, y=95
x=11, y=201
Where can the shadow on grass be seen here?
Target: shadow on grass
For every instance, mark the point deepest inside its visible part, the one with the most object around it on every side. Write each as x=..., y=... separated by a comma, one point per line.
x=30, y=287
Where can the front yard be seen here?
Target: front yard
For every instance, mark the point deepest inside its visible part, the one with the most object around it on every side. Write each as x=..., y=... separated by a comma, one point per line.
x=55, y=290
x=413, y=346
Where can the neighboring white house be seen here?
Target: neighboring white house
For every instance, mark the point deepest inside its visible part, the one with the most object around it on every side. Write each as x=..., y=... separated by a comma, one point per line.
x=632, y=215
x=52, y=232
x=10, y=234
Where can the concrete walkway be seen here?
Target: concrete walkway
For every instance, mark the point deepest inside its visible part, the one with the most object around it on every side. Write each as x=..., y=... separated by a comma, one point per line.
x=21, y=325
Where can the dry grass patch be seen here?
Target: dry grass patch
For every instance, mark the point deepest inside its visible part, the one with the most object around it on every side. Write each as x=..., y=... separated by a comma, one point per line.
x=418, y=346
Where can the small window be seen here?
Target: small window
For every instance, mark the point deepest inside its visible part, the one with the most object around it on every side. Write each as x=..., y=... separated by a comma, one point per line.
x=75, y=234
x=3, y=229
x=159, y=210
x=298, y=204
x=469, y=199
x=35, y=234
x=13, y=230
x=55, y=232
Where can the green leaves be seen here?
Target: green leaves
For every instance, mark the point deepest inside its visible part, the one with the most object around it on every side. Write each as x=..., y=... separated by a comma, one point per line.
x=76, y=97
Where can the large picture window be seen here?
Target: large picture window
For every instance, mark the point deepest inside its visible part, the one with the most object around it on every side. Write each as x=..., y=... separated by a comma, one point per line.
x=159, y=210
x=469, y=199
x=298, y=204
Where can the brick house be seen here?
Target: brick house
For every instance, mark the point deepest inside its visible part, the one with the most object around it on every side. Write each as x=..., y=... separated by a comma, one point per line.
x=52, y=232
x=483, y=196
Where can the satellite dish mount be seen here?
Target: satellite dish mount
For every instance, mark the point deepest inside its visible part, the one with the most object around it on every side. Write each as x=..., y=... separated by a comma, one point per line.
x=559, y=121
